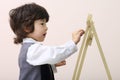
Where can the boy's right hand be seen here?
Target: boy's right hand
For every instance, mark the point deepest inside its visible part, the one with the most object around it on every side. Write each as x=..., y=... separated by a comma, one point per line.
x=77, y=35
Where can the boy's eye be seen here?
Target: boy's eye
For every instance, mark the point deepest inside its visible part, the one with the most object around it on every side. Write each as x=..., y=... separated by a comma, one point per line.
x=42, y=23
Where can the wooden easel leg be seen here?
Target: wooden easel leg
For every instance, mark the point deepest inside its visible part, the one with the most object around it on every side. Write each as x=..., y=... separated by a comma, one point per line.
x=102, y=54
x=81, y=56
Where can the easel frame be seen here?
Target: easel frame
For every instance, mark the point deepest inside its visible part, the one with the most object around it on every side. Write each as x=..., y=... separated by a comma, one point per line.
x=87, y=40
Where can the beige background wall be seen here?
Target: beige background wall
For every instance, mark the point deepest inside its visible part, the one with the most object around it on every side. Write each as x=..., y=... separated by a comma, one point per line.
x=65, y=17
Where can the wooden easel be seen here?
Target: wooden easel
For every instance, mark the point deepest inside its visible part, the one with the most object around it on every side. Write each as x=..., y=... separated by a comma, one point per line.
x=87, y=40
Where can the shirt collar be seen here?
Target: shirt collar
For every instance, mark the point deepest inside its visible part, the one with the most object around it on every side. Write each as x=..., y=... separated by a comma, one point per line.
x=29, y=40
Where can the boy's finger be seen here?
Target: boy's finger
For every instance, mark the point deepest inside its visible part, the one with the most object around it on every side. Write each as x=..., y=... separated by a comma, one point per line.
x=82, y=32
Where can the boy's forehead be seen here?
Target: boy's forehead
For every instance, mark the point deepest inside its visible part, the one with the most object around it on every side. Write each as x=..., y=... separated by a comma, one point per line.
x=41, y=20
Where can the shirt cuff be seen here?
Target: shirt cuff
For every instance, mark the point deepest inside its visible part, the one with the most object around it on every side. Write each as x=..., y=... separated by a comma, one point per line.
x=54, y=68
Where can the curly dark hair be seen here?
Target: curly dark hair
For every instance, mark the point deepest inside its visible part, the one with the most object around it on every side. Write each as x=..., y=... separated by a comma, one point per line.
x=23, y=17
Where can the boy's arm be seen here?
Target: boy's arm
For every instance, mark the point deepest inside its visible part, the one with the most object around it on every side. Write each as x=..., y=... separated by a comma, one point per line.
x=39, y=54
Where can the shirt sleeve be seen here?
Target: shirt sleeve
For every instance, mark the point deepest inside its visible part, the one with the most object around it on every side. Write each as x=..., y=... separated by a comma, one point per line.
x=40, y=54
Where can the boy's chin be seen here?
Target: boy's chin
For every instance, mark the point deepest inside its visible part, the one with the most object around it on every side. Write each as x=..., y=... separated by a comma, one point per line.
x=41, y=40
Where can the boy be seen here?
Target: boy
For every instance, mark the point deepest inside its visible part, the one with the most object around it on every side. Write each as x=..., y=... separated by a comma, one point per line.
x=37, y=61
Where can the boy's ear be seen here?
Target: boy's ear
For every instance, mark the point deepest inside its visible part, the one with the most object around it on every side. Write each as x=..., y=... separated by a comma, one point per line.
x=26, y=29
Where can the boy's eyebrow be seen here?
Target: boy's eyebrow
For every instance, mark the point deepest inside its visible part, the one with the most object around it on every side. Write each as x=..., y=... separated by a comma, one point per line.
x=44, y=20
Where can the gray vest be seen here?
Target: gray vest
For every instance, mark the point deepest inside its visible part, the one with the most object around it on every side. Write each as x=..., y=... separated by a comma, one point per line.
x=29, y=72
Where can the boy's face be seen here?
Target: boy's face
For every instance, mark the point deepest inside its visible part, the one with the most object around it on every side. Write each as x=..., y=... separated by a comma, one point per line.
x=40, y=30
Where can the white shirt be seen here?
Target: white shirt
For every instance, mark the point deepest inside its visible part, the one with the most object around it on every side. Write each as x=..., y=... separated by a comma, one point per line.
x=39, y=54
